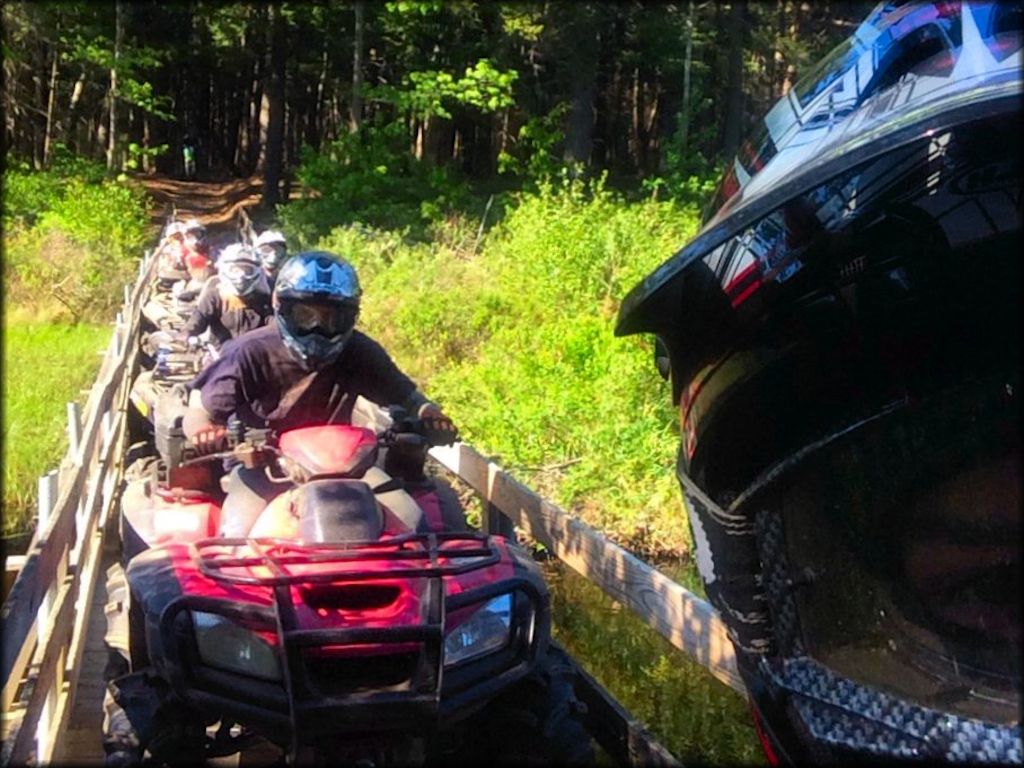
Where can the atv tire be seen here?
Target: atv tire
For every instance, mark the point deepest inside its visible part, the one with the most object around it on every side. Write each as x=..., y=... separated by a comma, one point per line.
x=537, y=722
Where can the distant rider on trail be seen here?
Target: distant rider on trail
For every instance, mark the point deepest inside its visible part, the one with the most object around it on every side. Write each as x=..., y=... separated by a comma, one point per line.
x=197, y=251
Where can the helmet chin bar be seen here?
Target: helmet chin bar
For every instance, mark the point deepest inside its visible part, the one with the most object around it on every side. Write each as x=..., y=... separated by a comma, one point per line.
x=844, y=715
x=313, y=350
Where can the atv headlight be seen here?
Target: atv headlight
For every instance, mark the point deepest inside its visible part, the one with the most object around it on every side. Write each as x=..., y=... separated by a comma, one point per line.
x=486, y=631
x=225, y=645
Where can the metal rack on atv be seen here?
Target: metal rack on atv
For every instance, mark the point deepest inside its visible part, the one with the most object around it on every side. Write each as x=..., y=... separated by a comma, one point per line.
x=317, y=690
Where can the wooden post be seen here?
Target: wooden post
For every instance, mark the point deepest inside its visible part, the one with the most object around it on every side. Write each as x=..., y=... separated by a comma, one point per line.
x=495, y=523
x=48, y=490
x=74, y=437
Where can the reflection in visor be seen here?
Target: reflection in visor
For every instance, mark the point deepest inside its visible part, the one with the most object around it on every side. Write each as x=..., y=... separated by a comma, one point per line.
x=915, y=553
x=271, y=255
x=240, y=272
x=330, y=319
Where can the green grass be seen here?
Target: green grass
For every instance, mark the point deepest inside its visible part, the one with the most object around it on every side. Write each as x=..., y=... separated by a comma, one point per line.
x=44, y=367
x=696, y=717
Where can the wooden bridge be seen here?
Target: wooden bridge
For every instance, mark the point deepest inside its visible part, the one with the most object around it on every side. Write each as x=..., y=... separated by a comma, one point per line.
x=53, y=619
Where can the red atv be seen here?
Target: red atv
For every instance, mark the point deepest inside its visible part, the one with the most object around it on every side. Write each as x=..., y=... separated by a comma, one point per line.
x=352, y=626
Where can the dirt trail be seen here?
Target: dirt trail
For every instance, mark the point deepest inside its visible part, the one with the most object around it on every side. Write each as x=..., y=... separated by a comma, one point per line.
x=215, y=204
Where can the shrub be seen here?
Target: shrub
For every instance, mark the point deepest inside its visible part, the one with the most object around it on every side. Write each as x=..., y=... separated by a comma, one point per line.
x=71, y=236
x=516, y=341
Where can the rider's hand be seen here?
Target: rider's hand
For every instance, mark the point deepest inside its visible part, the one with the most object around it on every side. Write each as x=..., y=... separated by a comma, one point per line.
x=193, y=343
x=211, y=440
x=437, y=428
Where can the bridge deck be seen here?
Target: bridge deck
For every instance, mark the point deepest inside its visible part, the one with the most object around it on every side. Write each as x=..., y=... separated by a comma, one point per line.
x=82, y=743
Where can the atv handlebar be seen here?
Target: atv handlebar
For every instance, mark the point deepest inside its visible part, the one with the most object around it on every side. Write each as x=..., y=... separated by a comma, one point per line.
x=253, y=447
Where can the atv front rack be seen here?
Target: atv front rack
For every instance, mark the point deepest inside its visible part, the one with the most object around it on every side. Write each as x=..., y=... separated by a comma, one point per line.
x=302, y=705
x=418, y=553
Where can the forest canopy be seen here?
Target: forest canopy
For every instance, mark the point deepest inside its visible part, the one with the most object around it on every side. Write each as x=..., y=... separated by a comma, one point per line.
x=487, y=90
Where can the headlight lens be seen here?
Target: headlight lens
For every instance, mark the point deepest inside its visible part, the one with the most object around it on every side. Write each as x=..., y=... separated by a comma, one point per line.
x=484, y=632
x=225, y=645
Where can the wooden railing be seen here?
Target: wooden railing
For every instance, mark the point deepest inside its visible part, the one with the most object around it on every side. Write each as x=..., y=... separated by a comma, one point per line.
x=683, y=618
x=45, y=616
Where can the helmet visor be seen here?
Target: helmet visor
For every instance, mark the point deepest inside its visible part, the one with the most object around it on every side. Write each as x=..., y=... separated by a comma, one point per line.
x=330, y=319
x=907, y=560
x=271, y=255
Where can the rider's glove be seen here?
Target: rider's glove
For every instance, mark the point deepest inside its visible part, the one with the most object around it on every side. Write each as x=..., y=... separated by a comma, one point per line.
x=211, y=440
x=437, y=428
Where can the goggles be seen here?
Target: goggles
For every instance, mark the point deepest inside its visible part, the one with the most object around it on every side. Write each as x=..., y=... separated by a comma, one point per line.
x=330, y=319
x=271, y=254
x=240, y=271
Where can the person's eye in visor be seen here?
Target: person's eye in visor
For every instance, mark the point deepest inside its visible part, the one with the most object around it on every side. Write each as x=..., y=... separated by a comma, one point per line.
x=332, y=321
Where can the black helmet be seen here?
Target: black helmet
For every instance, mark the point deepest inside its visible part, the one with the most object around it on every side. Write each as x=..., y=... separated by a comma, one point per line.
x=844, y=346
x=316, y=302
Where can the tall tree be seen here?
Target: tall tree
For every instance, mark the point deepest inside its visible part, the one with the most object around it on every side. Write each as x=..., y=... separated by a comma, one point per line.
x=273, y=156
x=733, y=126
x=357, y=65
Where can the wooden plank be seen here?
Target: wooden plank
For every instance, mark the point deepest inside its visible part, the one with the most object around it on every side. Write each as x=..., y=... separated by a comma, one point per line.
x=102, y=496
x=88, y=655
x=21, y=740
x=41, y=565
x=65, y=631
x=685, y=620
x=621, y=735
x=20, y=607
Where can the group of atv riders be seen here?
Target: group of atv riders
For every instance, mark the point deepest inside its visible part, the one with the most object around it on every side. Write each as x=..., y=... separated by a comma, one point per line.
x=286, y=351
x=842, y=339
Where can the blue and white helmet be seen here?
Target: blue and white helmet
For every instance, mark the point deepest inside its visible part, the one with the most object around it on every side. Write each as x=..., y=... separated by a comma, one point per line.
x=316, y=303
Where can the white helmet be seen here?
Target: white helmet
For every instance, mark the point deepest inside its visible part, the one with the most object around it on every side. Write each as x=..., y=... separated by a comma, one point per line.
x=239, y=267
x=270, y=237
x=194, y=226
x=271, y=247
x=174, y=228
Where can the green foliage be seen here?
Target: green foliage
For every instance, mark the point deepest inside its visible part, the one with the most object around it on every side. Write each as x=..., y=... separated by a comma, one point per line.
x=136, y=154
x=431, y=93
x=70, y=236
x=516, y=340
x=695, y=716
x=28, y=193
x=534, y=154
x=370, y=177
x=44, y=366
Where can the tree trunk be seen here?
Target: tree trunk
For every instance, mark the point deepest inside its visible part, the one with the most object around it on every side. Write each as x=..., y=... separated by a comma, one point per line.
x=357, y=67
x=582, y=78
x=684, y=118
x=794, y=32
x=274, y=145
x=146, y=163
x=318, y=120
x=733, y=128
x=112, y=129
x=51, y=100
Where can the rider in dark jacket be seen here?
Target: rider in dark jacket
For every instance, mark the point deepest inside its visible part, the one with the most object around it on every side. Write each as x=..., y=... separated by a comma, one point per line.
x=307, y=368
x=233, y=301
